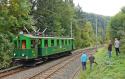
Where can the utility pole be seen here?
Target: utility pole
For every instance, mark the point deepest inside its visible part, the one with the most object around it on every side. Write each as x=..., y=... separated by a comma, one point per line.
x=96, y=34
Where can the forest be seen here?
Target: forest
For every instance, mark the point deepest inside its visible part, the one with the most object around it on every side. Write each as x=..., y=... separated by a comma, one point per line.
x=58, y=17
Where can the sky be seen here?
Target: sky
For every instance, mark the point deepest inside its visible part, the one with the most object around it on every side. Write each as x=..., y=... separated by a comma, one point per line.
x=102, y=7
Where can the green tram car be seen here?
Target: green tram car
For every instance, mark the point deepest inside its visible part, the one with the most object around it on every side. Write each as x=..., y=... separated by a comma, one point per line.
x=29, y=47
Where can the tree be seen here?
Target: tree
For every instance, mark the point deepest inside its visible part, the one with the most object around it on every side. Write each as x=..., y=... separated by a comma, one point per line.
x=55, y=14
x=14, y=14
x=118, y=25
x=87, y=35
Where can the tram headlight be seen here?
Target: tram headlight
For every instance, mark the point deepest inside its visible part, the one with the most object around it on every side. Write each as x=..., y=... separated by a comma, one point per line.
x=26, y=57
x=23, y=54
x=14, y=54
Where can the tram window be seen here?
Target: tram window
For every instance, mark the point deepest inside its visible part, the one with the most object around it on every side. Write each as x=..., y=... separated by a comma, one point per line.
x=52, y=42
x=62, y=42
x=23, y=44
x=69, y=42
x=33, y=43
x=58, y=42
x=46, y=43
x=39, y=43
x=65, y=42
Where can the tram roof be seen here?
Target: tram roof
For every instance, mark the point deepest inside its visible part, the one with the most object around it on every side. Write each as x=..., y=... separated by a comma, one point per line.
x=39, y=37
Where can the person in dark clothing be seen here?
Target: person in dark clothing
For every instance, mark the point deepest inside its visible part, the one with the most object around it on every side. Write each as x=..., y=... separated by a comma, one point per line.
x=117, y=45
x=91, y=59
x=110, y=49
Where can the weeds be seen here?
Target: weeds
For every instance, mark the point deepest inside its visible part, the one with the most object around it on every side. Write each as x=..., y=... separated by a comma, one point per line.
x=107, y=68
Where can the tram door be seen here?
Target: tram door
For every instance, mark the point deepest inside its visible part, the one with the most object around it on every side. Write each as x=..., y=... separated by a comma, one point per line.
x=39, y=49
x=35, y=45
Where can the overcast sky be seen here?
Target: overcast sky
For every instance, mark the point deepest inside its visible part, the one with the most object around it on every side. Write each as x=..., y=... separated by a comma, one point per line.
x=103, y=7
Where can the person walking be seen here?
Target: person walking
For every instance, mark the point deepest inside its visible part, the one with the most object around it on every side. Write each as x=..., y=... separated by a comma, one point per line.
x=84, y=58
x=117, y=44
x=110, y=49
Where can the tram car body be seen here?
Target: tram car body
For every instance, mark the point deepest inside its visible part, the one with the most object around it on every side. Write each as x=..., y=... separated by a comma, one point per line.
x=29, y=47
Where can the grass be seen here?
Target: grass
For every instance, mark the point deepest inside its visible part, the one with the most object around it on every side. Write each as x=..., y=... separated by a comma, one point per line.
x=107, y=68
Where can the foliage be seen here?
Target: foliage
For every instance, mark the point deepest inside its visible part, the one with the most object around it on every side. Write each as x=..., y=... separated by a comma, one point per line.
x=102, y=22
x=56, y=15
x=14, y=14
x=87, y=35
x=77, y=34
x=81, y=18
x=6, y=49
x=117, y=25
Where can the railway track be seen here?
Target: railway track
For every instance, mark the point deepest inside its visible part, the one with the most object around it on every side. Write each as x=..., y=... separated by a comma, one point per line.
x=43, y=74
x=48, y=73
x=75, y=73
x=10, y=71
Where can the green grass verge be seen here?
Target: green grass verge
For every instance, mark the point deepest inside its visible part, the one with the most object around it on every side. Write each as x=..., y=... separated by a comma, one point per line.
x=107, y=68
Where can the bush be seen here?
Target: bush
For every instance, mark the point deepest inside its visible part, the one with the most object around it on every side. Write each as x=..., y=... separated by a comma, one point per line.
x=5, y=49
